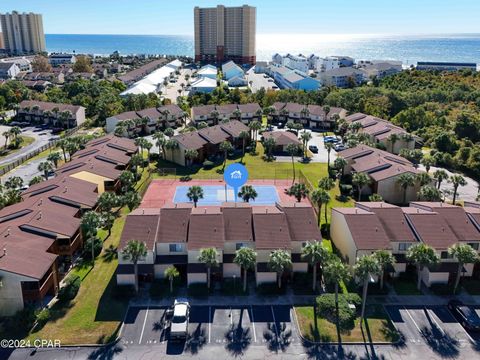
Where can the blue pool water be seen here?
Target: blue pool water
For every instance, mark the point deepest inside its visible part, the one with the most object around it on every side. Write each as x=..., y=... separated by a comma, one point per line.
x=215, y=195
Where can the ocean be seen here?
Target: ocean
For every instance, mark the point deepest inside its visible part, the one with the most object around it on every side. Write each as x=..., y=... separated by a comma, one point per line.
x=408, y=49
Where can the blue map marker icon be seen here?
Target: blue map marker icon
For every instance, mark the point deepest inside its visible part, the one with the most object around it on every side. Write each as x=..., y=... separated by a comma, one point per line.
x=235, y=175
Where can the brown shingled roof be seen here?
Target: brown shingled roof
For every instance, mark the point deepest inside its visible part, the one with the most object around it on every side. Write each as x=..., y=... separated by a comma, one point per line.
x=237, y=218
x=270, y=228
x=173, y=227
x=206, y=229
x=282, y=137
x=140, y=225
x=302, y=221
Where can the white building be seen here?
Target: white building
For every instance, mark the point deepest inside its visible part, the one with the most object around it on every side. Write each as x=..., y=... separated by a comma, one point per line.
x=61, y=59
x=288, y=78
x=335, y=62
x=207, y=71
x=23, y=63
x=313, y=61
x=277, y=59
x=343, y=77
x=203, y=85
x=299, y=62
x=8, y=70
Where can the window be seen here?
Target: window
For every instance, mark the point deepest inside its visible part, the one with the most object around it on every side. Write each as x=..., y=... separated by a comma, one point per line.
x=445, y=255
x=474, y=246
x=238, y=246
x=176, y=247
x=403, y=246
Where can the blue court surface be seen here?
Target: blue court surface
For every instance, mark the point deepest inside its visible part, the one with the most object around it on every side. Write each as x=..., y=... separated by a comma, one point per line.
x=215, y=195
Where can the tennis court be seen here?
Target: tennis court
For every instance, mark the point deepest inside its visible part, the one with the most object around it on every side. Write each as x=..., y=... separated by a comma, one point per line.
x=218, y=194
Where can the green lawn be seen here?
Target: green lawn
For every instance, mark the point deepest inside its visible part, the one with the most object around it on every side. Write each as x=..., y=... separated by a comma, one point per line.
x=378, y=327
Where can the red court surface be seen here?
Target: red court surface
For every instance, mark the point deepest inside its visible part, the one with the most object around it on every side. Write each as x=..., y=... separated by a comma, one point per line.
x=162, y=191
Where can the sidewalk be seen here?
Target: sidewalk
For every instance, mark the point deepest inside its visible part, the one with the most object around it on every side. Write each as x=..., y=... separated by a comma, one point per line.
x=422, y=300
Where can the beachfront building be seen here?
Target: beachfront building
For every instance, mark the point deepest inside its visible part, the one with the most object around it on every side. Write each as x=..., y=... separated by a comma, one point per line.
x=343, y=77
x=24, y=64
x=393, y=138
x=154, y=119
x=384, y=170
x=177, y=232
x=372, y=226
x=203, y=85
x=23, y=33
x=206, y=142
x=139, y=73
x=445, y=66
x=225, y=33
x=52, y=114
x=380, y=69
x=296, y=62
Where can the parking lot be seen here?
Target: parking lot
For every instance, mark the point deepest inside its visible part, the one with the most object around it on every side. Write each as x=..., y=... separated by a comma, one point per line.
x=234, y=328
x=434, y=325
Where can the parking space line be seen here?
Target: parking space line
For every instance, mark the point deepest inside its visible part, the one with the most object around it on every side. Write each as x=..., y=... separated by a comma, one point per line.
x=461, y=326
x=411, y=318
x=252, y=321
x=209, y=323
x=432, y=316
x=274, y=321
x=143, y=327
x=231, y=316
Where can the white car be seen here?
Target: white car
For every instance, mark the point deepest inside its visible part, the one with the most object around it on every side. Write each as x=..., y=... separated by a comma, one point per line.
x=179, y=323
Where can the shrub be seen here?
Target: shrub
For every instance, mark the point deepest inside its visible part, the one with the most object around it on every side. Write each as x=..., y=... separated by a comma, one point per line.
x=346, y=190
x=325, y=230
x=22, y=320
x=346, y=315
x=87, y=249
x=70, y=289
x=42, y=317
x=207, y=164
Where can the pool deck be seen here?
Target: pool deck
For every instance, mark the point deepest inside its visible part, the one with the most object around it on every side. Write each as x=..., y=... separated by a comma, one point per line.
x=161, y=192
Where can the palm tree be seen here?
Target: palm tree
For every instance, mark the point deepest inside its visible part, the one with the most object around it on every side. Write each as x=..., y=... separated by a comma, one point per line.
x=35, y=180
x=254, y=126
x=160, y=142
x=428, y=162
x=169, y=132
x=335, y=272
x=46, y=167
x=244, y=135
x=393, y=138
x=299, y=191
x=464, y=254
x=62, y=144
x=429, y=193
x=385, y=260
x=423, y=178
x=6, y=135
x=366, y=267
x=208, y=257
x=190, y=155
x=279, y=262
x=54, y=157
x=90, y=223
x=247, y=193
x=315, y=253
x=456, y=180
x=293, y=149
x=171, y=273
x=171, y=144
x=246, y=258
x=214, y=115
x=360, y=180
x=269, y=146
x=147, y=145
x=237, y=114
x=225, y=147
x=134, y=251
x=320, y=197
x=326, y=183
x=421, y=255
x=375, y=198
x=405, y=181
x=305, y=137
x=340, y=164
x=440, y=175
x=195, y=193
x=329, y=146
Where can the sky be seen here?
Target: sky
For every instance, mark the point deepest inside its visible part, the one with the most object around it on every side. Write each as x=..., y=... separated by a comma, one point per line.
x=162, y=17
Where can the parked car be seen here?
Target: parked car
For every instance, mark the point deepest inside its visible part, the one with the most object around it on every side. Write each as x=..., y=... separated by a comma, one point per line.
x=313, y=149
x=274, y=87
x=281, y=125
x=330, y=139
x=179, y=323
x=270, y=80
x=466, y=315
x=339, y=147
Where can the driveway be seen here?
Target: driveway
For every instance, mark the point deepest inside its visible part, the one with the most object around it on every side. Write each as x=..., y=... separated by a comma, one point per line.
x=41, y=137
x=171, y=91
x=468, y=192
x=259, y=81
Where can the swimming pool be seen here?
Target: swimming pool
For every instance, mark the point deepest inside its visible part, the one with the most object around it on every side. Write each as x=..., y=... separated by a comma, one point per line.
x=216, y=195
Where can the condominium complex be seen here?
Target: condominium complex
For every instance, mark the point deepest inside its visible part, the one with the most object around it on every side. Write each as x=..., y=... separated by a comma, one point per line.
x=225, y=33
x=23, y=33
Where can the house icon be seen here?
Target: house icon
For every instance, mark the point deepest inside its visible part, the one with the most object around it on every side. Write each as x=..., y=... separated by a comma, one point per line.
x=237, y=174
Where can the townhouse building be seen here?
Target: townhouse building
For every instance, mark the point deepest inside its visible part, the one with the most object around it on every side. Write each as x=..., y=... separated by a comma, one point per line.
x=53, y=114
x=372, y=226
x=148, y=120
x=57, y=59
x=392, y=137
x=206, y=142
x=176, y=233
x=343, y=77
x=384, y=170
x=288, y=78
x=8, y=71
x=213, y=114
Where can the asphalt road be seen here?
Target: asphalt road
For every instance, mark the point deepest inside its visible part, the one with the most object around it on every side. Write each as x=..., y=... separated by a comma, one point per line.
x=263, y=332
x=41, y=138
